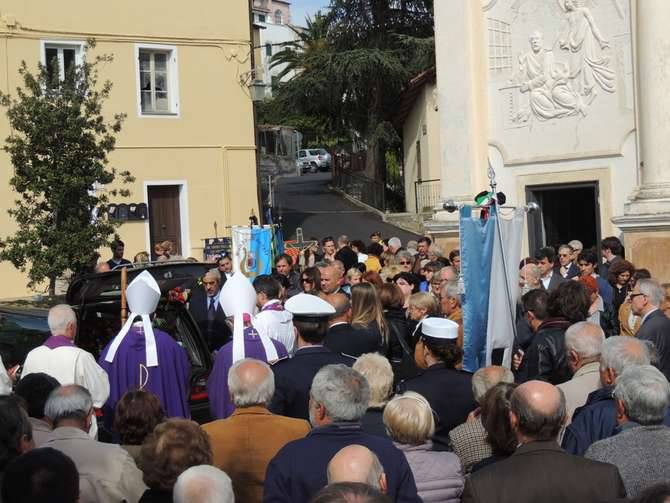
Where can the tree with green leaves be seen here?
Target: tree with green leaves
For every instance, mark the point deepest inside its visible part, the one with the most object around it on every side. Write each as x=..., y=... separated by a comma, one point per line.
x=351, y=82
x=59, y=146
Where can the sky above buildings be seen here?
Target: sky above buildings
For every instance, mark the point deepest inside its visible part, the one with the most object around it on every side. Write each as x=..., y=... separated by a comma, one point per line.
x=300, y=9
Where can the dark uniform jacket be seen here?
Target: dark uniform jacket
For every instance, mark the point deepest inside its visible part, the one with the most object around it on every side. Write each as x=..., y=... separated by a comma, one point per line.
x=298, y=471
x=449, y=392
x=293, y=379
x=218, y=333
x=542, y=472
x=656, y=328
x=353, y=341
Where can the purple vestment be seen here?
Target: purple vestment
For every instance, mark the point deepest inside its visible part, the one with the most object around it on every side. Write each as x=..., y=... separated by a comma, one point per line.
x=170, y=380
x=58, y=341
x=217, y=386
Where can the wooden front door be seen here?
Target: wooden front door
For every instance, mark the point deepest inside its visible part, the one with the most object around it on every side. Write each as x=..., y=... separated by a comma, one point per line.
x=164, y=216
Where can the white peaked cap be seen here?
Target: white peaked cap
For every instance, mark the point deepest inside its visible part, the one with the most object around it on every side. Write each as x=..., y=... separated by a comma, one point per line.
x=440, y=328
x=309, y=306
x=237, y=298
x=142, y=295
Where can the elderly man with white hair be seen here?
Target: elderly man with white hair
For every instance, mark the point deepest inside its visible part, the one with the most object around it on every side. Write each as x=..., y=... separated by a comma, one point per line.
x=251, y=384
x=65, y=362
x=107, y=473
x=597, y=419
x=203, y=484
x=641, y=450
x=645, y=301
x=339, y=397
x=583, y=345
x=468, y=440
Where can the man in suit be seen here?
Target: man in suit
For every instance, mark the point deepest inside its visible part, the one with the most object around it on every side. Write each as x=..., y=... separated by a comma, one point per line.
x=345, y=254
x=566, y=267
x=645, y=301
x=251, y=385
x=293, y=377
x=537, y=412
x=611, y=250
x=641, y=451
x=342, y=337
x=545, y=260
x=207, y=311
x=106, y=471
x=339, y=398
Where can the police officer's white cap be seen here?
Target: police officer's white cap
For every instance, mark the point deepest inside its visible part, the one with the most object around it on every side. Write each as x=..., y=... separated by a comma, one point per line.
x=305, y=305
x=439, y=328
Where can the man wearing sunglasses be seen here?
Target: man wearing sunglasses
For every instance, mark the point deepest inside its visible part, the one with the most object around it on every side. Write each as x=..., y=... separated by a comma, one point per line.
x=645, y=300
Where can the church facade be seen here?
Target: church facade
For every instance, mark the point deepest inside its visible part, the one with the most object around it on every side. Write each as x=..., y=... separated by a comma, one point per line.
x=564, y=100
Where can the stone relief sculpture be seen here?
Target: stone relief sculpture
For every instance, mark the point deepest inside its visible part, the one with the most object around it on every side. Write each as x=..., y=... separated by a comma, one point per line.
x=548, y=84
x=559, y=87
x=583, y=39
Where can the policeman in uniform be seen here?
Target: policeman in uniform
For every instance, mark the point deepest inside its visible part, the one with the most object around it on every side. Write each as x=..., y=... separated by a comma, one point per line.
x=447, y=389
x=293, y=377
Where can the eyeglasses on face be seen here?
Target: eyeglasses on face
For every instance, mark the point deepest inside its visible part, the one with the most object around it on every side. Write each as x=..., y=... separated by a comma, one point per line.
x=633, y=295
x=306, y=280
x=404, y=263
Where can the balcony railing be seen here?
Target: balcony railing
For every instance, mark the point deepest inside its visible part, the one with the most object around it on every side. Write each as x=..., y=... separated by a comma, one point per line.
x=426, y=194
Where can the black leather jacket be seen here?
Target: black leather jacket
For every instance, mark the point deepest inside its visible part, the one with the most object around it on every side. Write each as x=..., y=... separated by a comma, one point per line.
x=545, y=358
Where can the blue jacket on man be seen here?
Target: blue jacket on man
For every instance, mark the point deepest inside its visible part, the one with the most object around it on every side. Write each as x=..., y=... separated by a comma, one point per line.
x=298, y=471
x=594, y=421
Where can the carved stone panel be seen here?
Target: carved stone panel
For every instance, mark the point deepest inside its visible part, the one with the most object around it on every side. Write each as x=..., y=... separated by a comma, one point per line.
x=560, y=75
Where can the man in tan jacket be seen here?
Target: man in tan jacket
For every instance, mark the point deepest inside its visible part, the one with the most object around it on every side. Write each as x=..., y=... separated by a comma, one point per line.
x=244, y=443
x=107, y=473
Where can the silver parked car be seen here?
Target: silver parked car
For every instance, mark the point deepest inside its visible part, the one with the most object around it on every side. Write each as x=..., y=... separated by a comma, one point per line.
x=313, y=160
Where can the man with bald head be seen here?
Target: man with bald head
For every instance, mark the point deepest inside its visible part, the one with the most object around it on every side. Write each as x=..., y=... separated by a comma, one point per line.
x=344, y=338
x=244, y=443
x=357, y=463
x=207, y=312
x=539, y=470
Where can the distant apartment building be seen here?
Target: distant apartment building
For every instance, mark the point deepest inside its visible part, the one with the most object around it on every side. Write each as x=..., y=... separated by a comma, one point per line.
x=273, y=17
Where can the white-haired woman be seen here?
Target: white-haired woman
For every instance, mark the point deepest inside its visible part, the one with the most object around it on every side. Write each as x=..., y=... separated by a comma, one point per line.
x=410, y=424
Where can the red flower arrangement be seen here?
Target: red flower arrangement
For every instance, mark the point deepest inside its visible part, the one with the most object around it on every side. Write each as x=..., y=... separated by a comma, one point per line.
x=178, y=295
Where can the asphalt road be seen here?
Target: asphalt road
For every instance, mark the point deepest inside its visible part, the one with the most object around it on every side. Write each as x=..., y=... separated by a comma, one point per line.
x=305, y=201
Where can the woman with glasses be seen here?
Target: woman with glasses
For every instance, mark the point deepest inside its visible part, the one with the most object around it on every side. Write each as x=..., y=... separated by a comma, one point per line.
x=405, y=260
x=310, y=280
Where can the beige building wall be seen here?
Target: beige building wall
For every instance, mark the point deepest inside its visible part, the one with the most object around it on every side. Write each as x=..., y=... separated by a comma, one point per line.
x=421, y=126
x=206, y=146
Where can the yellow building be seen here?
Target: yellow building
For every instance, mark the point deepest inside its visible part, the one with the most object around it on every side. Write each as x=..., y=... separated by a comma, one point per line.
x=181, y=73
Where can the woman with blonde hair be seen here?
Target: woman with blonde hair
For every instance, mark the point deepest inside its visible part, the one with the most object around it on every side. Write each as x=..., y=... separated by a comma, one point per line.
x=410, y=424
x=367, y=313
x=354, y=276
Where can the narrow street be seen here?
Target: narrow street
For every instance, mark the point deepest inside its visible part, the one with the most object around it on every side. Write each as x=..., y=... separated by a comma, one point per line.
x=307, y=202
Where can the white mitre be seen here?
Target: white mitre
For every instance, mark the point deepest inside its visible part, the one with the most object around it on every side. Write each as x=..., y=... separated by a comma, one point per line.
x=142, y=294
x=238, y=298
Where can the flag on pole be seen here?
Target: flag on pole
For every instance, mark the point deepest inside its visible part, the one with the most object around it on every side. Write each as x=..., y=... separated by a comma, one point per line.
x=491, y=290
x=252, y=250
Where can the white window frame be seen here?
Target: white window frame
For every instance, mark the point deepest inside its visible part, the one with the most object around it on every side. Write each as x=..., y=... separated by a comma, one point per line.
x=79, y=53
x=173, y=81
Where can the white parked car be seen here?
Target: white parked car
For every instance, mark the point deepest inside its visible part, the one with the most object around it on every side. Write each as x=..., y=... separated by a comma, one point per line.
x=313, y=160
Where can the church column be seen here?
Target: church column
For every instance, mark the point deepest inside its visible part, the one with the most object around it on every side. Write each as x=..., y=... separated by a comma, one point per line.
x=646, y=220
x=462, y=73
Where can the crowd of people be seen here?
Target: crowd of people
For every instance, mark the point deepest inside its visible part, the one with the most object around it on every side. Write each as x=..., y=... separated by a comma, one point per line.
x=338, y=378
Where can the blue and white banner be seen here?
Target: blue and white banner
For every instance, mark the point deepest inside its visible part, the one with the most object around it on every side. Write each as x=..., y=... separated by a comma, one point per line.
x=487, y=313
x=252, y=250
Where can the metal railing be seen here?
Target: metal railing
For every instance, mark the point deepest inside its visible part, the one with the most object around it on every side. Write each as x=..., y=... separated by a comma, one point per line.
x=426, y=194
x=362, y=188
